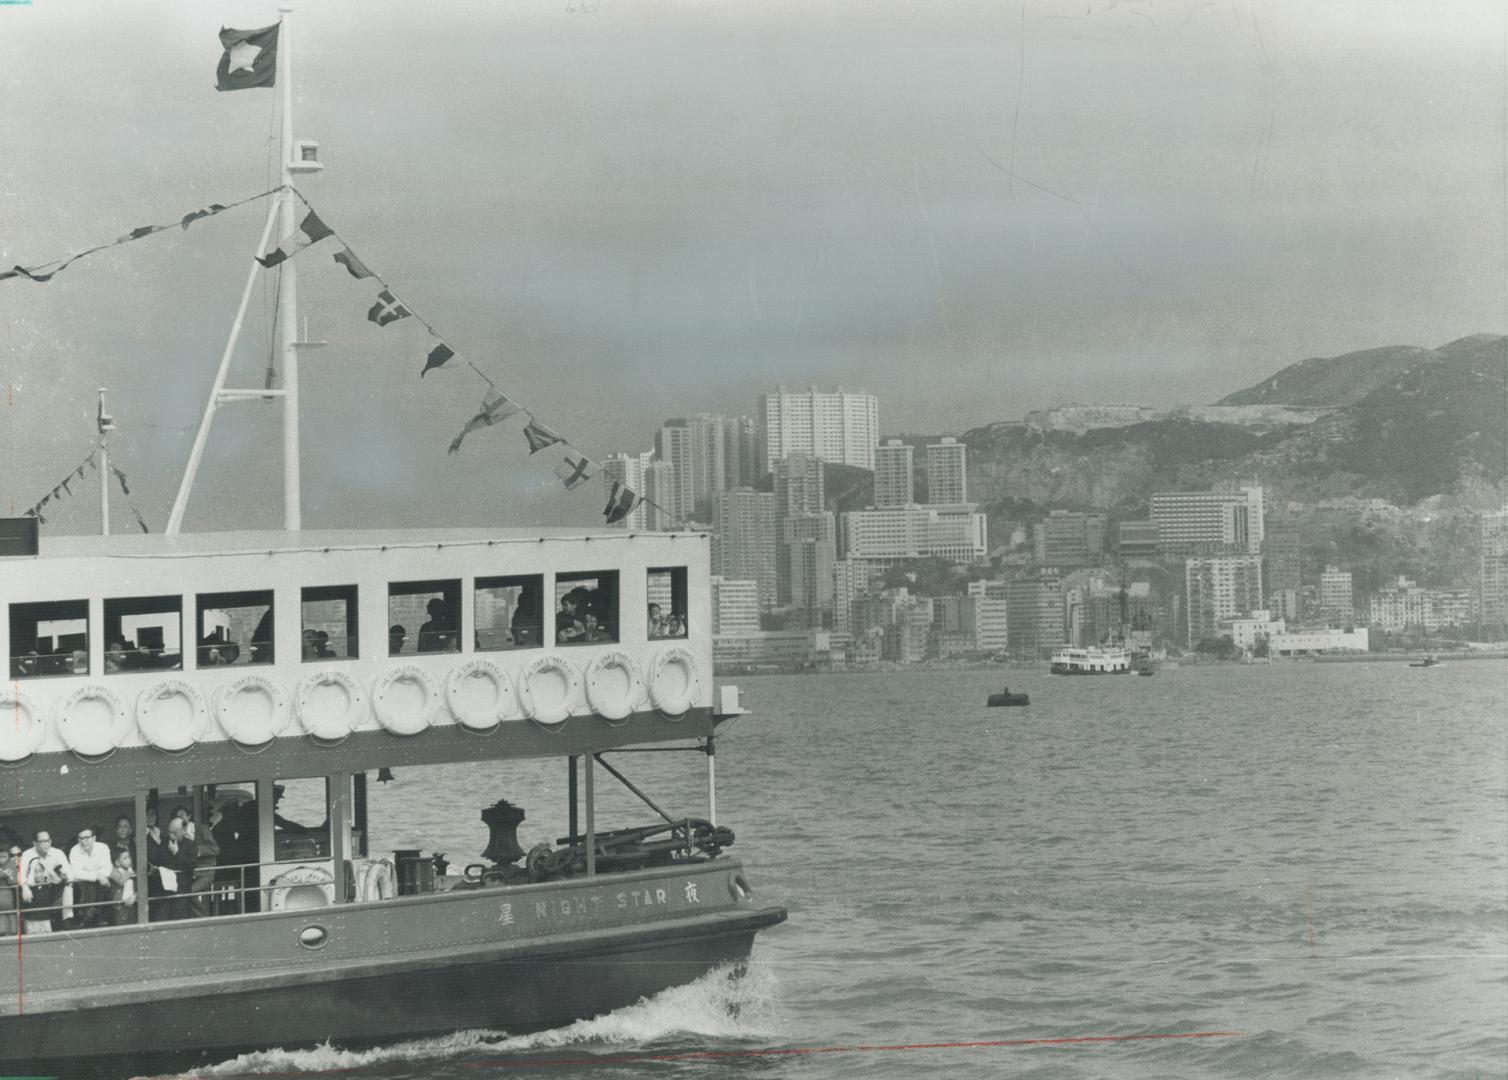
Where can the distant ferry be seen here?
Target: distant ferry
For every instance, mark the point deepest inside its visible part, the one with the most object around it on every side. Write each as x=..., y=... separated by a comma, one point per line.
x=1091, y=661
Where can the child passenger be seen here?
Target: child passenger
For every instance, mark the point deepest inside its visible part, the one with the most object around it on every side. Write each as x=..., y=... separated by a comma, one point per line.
x=123, y=890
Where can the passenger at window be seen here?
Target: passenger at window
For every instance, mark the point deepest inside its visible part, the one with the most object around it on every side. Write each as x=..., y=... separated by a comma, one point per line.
x=322, y=646
x=207, y=850
x=569, y=626
x=116, y=656
x=594, y=632
x=656, y=622
x=439, y=633
x=44, y=872
x=124, y=839
x=89, y=869
x=524, y=624
x=396, y=635
x=123, y=890
x=675, y=626
x=311, y=645
x=175, y=869
x=261, y=640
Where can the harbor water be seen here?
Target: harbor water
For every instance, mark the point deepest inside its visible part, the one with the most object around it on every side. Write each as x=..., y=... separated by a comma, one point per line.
x=1303, y=867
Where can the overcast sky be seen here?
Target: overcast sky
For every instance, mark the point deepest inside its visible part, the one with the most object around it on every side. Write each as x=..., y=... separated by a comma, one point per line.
x=626, y=211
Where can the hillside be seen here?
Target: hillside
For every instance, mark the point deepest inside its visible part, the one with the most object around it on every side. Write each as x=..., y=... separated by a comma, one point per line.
x=1334, y=380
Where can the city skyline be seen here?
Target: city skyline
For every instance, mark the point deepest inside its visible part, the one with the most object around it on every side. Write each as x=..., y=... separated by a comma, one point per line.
x=971, y=212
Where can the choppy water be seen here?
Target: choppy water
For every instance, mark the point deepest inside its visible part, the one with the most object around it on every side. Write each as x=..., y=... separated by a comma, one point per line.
x=1311, y=857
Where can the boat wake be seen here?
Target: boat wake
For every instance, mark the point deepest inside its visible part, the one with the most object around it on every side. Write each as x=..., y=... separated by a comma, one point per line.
x=722, y=1005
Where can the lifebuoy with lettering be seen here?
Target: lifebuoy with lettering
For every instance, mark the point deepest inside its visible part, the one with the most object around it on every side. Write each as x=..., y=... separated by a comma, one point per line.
x=302, y=888
x=404, y=698
x=93, y=720
x=252, y=710
x=549, y=686
x=172, y=714
x=614, y=687
x=22, y=725
x=330, y=703
x=479, y=694
x=674, y=682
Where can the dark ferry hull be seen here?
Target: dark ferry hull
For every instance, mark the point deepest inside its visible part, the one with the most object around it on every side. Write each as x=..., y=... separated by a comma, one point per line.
x=568, y=951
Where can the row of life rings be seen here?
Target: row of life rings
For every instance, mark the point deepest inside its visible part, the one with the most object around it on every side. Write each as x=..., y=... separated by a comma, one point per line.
x=174, y=714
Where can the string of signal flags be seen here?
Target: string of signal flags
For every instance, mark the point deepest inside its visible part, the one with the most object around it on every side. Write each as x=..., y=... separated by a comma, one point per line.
x=573, y=470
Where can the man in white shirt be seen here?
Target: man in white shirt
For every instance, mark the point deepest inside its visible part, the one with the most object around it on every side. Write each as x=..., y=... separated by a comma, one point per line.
x=44, y=872
x=89, y=869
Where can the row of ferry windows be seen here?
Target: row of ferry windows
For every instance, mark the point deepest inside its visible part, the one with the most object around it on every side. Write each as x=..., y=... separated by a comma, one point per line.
x=145, y=633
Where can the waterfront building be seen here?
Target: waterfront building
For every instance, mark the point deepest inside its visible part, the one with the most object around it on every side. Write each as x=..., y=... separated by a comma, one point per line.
x=1283, y=567
x=838, y=426
x=893, y=475
x=952, y=626
x=1245, y=633
x=1493, y=581
x=1034, y=616
x=744, y=540
x=1066, y=539
x=1304, y=641
x=947, y=473
x=852, y=581
x=735, y=606
x=1407, y=606
x=1194, y=522
x=986, y=610
x=896, y=533
x=1220, y=587
x=1335, y=598
x=772, y=648
x=1137, y=539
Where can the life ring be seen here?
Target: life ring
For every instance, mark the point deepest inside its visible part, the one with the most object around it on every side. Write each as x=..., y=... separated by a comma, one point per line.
x=479, y=694
x=23, y=726
x=674, y=682
x=330, y=703
x=252, y=710
x=377, y=881
x=93, y=720
x=613, y=685
x=404, y=698
x=549, y=686
x=172, y=714
x=301, y=889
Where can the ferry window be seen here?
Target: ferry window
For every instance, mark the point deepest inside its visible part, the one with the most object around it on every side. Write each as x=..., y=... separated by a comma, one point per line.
x=423, y=616
x=235, y=628
x=329, y=623
x=50, y=638
x=301, y=819
x=85, y=901
x=508, y=612
x=144, y=633
x=586, y=607
x=666, y=595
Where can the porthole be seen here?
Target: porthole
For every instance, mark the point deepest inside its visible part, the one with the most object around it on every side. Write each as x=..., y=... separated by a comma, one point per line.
x=313, y=937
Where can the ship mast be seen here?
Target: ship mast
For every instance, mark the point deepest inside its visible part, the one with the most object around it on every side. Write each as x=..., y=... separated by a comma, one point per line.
x=284, y=209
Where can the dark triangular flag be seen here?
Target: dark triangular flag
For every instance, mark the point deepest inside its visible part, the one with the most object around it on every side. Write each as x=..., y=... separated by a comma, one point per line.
x=138, y=233
x=356, y=267
x=122, y=478
x=310, y=231
x=621, y=501
x=211, y=209
x=575, y=471
x=495, y=409
x=250, y=59
x=29, y=276
x=64, y=485
x=437, y=356
x=388, y=308
x=538, y=436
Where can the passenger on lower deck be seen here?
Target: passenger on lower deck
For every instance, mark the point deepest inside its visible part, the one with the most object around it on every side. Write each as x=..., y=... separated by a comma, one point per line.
x=43, y=874
x=89, y=867
x=9, y=871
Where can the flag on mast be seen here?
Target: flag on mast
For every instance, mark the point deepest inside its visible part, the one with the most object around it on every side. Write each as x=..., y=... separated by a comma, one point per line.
x=250, y=59
x=310, y=231
x=105, y=420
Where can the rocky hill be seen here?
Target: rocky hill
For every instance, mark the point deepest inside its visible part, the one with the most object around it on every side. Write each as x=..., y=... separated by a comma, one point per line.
x=1334, y=380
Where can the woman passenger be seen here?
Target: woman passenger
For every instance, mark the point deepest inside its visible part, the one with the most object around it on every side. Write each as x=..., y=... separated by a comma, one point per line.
x=123, y=890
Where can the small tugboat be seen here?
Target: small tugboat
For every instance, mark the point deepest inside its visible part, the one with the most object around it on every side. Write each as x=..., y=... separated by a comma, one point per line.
x=1428, y=661
x=1005, y=697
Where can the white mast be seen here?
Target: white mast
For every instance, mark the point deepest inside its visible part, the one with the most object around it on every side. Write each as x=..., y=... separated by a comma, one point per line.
x=288, y=291
x=106, y=424
x=284, y=207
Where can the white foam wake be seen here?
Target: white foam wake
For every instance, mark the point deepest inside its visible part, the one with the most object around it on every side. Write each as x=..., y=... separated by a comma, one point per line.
x=720, y=1006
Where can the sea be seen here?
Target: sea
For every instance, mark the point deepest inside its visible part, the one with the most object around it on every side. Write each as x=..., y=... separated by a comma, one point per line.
x=1270, y=870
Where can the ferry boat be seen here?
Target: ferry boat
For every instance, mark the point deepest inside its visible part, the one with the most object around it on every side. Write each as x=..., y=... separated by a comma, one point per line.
x=198, y=718
x=1091, y=661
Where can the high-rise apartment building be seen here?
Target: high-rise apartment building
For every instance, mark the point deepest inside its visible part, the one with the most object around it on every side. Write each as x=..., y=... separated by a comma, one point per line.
x=735, y=606
x=1220, y=587
x=1205, y=522
x=947, y=473
x=852, y=581
x=628, y=470
x=1336, y=599
x=1066, y=538
x=985, y=610
x=795, y=530
x=674, y=446
x=1283, y=568
x=659, y=492
x=1493, y=582
x=744, y=540
x=893, y=475
x=1408, y=606
x=798, y=485
x=835, y=426
x=916, y=532
x=1034, y=616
